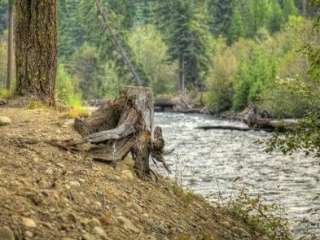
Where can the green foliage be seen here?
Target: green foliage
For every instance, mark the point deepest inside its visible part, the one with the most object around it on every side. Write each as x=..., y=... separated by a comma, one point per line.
x=3, y=15
x=66, y=88
x=261, y=67
x=221, y=12
x=267, y=219
x=306, y=136
x=255, y=73
x=221, y=77
x=244, y=18
x=4, y=93
x=150, y=52
x=185, y=30
x=236, y=28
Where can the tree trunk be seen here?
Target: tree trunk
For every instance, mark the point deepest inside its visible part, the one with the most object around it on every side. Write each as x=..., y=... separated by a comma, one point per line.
x=304, y=7
x=10, y=57
x=181, y=83
x=124, y=126
x=36, y=49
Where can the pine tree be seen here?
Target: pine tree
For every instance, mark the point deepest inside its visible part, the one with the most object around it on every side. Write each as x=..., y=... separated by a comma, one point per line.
x=3, y=15
x=70, y=34
x=236, y=29
x=261, y=14
x=289, y=8
x=185, y=29
x=277, y=18
x=220, y=12
x=36, y=49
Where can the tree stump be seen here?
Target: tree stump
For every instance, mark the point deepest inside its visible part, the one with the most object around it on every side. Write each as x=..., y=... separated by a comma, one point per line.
x=123, y=126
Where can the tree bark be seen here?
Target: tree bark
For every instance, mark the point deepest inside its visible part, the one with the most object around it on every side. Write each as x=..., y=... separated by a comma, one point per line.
x=304, y=7
x=181, y=82
x=10, y=57
x=125, y=126
x=36, y=49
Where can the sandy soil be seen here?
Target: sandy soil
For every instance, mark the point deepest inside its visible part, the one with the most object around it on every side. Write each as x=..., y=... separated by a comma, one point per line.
x=48, y=193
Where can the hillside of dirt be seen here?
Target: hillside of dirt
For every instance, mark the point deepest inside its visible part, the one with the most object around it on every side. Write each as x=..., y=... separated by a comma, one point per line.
x=48, y=193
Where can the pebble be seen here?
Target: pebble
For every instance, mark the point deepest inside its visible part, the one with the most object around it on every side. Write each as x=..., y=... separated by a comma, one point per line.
x=74, y=184
x=28, y=234
x=4, y=121
x=100, y=232
x=88, y=236
x=68, y=123
x=127, y=175
x=28, y=222
x=6, y=233
x=94, y=222
x=127, y=224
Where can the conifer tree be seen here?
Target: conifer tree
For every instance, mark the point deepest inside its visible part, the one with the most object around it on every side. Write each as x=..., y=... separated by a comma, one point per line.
x=36, y=49
x=236, y=29
x=277, y=18
x=185, y=29
x=289, y=8
x=220, y=12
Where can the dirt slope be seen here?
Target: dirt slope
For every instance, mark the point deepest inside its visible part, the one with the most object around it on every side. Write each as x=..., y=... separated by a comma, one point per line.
x=47, y=193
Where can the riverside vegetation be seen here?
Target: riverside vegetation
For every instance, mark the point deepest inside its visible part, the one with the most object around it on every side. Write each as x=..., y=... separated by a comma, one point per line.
x=234, y=52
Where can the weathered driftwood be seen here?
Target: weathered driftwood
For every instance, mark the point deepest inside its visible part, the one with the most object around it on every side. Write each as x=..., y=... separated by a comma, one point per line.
x=224, y=127
x=124, y=126
x=255, y=121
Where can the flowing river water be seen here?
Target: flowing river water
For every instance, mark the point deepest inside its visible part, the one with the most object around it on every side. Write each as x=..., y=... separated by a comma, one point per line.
x=219, y=164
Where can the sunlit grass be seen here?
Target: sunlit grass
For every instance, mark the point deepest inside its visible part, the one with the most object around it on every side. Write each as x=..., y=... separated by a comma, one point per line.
x=76, y=108
x=4, y=93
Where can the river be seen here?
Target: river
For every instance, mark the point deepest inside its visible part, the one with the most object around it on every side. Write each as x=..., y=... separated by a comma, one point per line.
x=218, y=164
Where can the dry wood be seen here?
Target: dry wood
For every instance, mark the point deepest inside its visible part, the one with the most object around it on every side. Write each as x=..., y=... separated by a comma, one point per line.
x=224, y=127
x=124, y=126
x=253, y=119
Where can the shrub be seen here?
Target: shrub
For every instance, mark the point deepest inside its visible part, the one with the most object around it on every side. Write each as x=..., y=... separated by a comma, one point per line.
x=256, y=72
x=267, y=219
x=220, y=79
x=151, y=52
x=66, y=89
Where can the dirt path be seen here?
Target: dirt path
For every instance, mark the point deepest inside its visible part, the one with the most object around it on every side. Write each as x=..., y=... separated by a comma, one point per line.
x=47, y=193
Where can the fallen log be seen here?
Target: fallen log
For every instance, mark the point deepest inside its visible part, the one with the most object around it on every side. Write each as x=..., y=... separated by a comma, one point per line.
x=224, y=127
x=124, y=126
x=254, y=120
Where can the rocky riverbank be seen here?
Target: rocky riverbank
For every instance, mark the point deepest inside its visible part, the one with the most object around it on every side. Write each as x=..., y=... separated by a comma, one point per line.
x=48, y=193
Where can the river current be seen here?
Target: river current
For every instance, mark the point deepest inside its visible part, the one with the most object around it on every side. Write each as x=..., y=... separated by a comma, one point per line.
x=219, y=164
